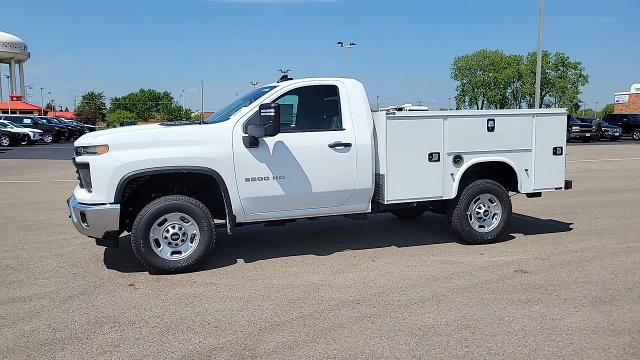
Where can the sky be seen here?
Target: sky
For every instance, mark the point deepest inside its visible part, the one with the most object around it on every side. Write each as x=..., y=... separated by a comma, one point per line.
x=403, y=54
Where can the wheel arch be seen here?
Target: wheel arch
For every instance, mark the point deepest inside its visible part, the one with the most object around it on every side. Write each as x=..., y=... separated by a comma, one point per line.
x=130, y=178
x=477, y=169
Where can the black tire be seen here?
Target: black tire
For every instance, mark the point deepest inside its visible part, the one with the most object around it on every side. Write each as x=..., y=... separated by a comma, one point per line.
x=459, y=219
x=597, y=137
x=141, y=242
x=5, y=140
x=48, y=137
x=25, y=140
x=635, y=135
x=408, y=212
x=586, y=140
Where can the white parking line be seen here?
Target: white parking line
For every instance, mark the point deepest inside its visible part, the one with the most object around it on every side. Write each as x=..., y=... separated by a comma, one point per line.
x=32, y=181
x=597, y=160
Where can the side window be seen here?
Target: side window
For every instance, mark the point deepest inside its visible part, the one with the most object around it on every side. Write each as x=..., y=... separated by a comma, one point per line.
x=26, y=121
x=309, y=108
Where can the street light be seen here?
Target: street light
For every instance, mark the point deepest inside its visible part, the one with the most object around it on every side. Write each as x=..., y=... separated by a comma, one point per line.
x=8, y=87
x=346, y=46
x=539, y=55
x=254, y=84
x=41, y=101
x=182, y=97
x=449, y=103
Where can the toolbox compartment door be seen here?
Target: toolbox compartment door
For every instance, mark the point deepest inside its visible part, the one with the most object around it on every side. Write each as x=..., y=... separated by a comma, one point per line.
x=549, y=165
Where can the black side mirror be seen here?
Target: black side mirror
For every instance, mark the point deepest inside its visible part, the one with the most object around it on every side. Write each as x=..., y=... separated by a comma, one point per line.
x=268, y=125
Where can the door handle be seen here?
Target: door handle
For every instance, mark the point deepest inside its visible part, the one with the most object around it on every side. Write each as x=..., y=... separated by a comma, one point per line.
x=339, y=144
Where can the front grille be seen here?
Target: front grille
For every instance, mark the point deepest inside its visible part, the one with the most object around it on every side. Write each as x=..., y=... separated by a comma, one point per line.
x=84, y=175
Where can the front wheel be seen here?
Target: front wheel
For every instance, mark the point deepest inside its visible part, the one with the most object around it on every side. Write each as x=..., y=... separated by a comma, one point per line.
x=636, y=134
x=25, y=140
x=5, y=140
x=173, y=234
x=47, y=137
x=482, y=213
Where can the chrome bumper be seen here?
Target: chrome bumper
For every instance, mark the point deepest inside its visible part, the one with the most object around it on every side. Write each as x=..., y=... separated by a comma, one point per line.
x=94, y=220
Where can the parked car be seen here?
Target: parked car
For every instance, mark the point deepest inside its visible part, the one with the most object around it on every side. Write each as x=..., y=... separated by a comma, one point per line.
x=630, y=123
x=130, y=123
x=9, y=138
x=30, y=135
x=88, y=127
x=50, y=132
x=73, y=131
x=577, y=130
x=606, y=131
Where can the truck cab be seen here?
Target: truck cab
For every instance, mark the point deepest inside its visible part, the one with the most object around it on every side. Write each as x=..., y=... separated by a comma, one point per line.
x=304, y=149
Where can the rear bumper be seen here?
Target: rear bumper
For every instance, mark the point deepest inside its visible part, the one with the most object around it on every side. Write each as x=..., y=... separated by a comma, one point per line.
x=94, y=220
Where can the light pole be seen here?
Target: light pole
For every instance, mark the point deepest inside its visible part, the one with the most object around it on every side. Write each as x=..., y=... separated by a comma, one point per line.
x=41, y=101
x=378, y=102
x=539, y=55
x=254, y=84
x=346, y=46
x=182, y=97
x=595, y=111
x=1, y=97
x=449, y=103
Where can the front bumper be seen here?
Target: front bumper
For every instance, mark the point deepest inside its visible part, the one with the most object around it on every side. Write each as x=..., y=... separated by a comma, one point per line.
x=94, y=220
x=578, y=135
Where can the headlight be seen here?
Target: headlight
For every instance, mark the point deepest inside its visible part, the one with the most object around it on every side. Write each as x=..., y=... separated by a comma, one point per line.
x=91, y=150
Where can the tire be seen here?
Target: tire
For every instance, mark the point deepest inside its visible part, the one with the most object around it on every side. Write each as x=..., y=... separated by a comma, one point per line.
x=586, y=140
x=598, y=137
x=158, y=221
x=636, y=135
x=25, y=140
x=5, y=140
x=476, y=194
x=408, y=212
x=613, y=139
x=48, y=137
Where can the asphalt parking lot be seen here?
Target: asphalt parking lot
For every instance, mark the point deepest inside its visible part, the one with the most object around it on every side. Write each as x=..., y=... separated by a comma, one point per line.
x=564, y=285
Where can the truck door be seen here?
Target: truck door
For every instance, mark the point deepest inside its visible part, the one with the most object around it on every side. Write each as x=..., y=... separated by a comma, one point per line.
x=310, y=164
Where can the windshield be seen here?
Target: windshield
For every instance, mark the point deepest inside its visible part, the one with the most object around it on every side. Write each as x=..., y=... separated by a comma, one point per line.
x=226, y=112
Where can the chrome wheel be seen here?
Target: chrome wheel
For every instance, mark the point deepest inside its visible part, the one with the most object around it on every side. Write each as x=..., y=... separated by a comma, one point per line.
x=636, y=135
x=174, y=236
x=4, y=140
x=47, y=137
x=24, y=140
x=484, y=213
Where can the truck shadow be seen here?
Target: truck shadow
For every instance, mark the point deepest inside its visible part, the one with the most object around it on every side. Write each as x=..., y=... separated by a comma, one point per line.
x=329, y=236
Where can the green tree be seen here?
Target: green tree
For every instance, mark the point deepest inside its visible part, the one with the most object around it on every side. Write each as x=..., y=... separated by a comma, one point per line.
x=606, y=110
x=92, y=107
x=118, y=117
x=495, y=80
x=150, y=104
x=487, y=79
x=560, y=83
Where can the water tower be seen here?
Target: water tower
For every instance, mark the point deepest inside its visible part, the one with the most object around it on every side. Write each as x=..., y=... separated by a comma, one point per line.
x=13, y=51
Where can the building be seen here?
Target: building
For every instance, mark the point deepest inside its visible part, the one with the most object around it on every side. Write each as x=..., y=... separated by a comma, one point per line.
x=627, y=102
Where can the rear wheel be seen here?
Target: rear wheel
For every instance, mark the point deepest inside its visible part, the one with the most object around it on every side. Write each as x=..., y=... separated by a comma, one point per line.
x=173, y=234
x=409, y=212
x=636, y=134
x=482, y=213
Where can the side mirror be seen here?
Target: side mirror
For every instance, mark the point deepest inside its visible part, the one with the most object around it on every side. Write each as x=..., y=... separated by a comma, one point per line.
x=268, y=121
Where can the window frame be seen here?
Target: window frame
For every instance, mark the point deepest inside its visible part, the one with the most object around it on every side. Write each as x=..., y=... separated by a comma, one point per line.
x=245, y=124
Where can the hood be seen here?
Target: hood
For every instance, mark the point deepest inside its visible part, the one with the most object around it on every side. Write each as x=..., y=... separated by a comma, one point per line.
x=137, y=133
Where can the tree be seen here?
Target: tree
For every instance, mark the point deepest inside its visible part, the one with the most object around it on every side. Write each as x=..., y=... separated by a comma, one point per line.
x=49, y=106
x=560, y=83
x=92, y=107
x=487, y=79
x=606, y=110
x=148, y=104
x=495, y=80
x=119, y=117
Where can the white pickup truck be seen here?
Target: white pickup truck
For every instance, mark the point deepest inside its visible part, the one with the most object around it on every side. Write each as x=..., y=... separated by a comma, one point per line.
x=309, y=148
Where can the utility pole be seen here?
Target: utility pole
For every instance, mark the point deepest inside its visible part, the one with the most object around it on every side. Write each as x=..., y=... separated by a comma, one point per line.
x=254, y=84
x=539, y=57
x=201, y=101
x=346, y=46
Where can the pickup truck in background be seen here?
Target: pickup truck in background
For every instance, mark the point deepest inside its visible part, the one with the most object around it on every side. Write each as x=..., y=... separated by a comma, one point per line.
x=309, y=148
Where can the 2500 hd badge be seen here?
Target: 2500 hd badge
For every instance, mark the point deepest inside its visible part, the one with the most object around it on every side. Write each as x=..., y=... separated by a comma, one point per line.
x=264, y=178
